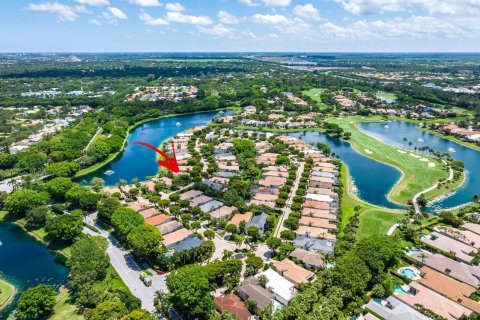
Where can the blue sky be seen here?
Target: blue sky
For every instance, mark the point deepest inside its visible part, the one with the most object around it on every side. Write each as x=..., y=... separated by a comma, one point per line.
x=239, y=25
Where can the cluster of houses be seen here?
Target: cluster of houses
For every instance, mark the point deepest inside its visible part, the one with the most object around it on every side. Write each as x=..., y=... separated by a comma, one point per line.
x=273, y=179
x=467, y=134
x=281, y=121
x=442, y=279
x=319, y=213
x=275, y=286
x=48, y=126
x=158, y=93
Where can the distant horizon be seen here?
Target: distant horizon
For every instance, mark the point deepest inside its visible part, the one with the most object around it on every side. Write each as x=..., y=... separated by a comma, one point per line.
x=242, y=52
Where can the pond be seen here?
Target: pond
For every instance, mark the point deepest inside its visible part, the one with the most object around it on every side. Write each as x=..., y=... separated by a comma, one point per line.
x=24, y=262
x=372, y=180
x=398, y=130
x=139, y=162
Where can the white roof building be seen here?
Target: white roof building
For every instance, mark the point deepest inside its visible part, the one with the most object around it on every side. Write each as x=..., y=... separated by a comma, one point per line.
x=319, y=197
x=281, y=287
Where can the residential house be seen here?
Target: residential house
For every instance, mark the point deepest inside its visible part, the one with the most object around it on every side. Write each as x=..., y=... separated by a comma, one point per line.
x=281, y=287
x=292, y=272
x=232, y=304
x=394, y=309
x=310, y=259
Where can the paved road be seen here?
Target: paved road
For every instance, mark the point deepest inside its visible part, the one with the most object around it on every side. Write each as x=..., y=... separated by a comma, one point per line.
x=286, y=210
x=127, y=268
x=415, y=198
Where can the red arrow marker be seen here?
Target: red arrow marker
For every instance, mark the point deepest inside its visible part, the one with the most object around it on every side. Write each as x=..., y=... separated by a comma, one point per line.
x=169, y=163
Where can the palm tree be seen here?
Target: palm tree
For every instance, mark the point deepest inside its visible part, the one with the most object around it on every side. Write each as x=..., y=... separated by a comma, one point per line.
x=410, y=144
x=404, y=142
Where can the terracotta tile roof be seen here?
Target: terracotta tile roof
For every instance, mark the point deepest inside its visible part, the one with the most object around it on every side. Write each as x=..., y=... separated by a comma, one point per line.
x=265, y=197
x=157, y=220
x=190, y=194
x=176, y=237
x=315, y=232
x=315, y=222
x=319, y=213
x=264, y=203
x=222, y=212
x=289, y=270
x=449, y=287
x=239, y=217
x=272, y=182
x=316, y=205
x=234, y=305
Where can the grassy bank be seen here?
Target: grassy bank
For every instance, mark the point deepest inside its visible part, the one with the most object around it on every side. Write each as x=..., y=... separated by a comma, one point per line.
x=7, y=292
x=315, y=94
x=113, y=156
x=65, y=309
x=416, y=174
x=373, y=219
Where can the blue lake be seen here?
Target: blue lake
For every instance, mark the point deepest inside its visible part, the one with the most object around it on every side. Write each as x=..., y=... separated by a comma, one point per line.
x=25, y=263
x=398, y=130
x=373, y=180
x=139, y=162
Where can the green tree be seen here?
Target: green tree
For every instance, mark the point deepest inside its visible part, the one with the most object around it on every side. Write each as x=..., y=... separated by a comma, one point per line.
x=253, y=232
x=65, y=227
x=36, y=302
x=62, y=169
x=253, y=264
x=37, y=217
x=97, y=184
x=107, y=207
x=58, y=187
x=107, y=310
x=81, y=197
x=139, y=315
x=31, y=161
x=351, y=273
x=124, y=220
x=144, y=239
x=20, y=201
x=379, y=252
x=273, y=243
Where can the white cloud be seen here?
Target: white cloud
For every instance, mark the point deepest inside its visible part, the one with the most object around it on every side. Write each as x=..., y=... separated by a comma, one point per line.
x=114, y=14
x=146, y=3
x=450, y=7
x=151, y=21
x=307, y=11
x=249, y=3
x=95, y=22
x=277, y=3
x=174, y=7
x=64, y=12
x=173, y=16
x=272, y=19
x=414, y=27
x=218, y=30
x=227, y=18
x=94, y=2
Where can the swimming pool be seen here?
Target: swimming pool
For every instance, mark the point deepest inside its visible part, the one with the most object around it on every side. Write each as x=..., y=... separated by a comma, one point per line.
x=410, y=272
x=414, y=250
x=398, y=289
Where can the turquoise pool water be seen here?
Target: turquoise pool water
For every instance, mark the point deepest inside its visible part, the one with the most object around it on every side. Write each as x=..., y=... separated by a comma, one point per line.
x=398, y=289
x=409, y=273
x=414, y=250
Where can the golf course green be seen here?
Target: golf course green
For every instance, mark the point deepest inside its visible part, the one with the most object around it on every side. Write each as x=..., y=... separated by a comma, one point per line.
x=419, y=171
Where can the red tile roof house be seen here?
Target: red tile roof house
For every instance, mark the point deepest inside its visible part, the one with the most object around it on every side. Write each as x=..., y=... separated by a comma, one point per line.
x=310, y=259
x=265, y=197
x=459, y=249
x=176, y=237
x=272, y=182
x=149, y=213
x=231, y=303
x=313, y=232
x=239, y=217
x=420, y=295
x=290, y=271
x=316, y=223
x=263, y=203
x=316, y=205
x=318, y=213
x=139, y=206
x=449, y=287
x=158, y=220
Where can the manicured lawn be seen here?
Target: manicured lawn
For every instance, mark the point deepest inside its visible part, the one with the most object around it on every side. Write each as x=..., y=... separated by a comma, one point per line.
x=315, y=95
x=374, y=221
x=385, y=95
x=417, y=175
x=65, y=309
x=6, y=293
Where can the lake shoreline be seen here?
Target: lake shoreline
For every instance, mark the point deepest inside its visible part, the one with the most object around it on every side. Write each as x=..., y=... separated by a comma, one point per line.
x=13, y=291
x=132, y=127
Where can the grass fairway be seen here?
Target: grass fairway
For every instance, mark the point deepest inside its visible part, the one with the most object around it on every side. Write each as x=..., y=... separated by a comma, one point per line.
x=373, y=219
x=7, y=291
x=417, y=175
x=315, y=95
x=65, y=309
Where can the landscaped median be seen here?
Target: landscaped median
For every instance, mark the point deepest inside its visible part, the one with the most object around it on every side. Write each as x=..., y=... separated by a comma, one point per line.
x=7, y=292
x=419, y=171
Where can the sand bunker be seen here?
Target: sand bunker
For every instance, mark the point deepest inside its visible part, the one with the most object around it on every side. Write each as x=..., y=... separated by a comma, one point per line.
x=368, y=151
x=431, y=164
x=423, y=159
x=414, y=155
x=401, y=151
